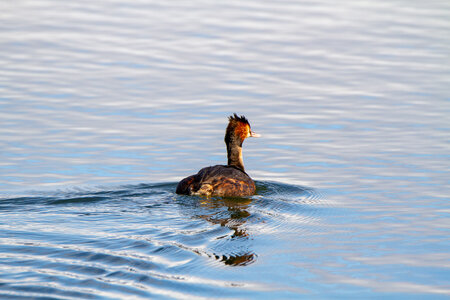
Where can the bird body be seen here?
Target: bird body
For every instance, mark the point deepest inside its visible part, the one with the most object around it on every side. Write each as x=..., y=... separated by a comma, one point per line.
x=229, y=180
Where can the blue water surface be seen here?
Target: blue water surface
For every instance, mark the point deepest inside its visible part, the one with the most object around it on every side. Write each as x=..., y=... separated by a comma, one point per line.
x=106, y=105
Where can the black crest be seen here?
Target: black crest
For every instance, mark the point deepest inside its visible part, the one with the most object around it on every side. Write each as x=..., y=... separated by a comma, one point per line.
x=235, y=117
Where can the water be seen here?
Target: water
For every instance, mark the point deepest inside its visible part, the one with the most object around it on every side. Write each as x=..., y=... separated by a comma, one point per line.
x=105, y=105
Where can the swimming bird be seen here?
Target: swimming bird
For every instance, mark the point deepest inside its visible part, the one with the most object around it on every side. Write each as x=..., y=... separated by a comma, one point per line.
x=229, y=180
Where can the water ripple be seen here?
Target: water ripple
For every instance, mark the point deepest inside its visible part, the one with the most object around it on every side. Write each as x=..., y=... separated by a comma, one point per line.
x=150, y=258
x=350, y=98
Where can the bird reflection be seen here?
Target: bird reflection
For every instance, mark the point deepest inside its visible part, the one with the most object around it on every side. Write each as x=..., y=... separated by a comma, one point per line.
x=233, y=214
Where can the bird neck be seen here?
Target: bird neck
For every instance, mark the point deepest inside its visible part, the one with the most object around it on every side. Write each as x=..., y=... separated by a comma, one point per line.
x=234, y=153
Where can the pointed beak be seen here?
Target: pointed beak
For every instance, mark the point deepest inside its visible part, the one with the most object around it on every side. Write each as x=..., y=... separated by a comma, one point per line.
x=253, y=134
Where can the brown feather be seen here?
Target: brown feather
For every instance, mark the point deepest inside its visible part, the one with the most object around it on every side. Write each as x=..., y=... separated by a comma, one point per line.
x=230, y=180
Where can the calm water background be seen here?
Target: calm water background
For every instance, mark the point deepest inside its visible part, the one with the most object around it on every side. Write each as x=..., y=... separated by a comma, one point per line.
x=105, y=105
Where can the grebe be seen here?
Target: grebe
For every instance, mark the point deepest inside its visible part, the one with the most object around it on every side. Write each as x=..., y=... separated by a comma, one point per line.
x=230, y=180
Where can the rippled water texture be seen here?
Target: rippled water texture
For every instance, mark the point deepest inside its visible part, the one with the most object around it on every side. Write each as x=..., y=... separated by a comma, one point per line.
x=105, y=105
x=144, y=240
